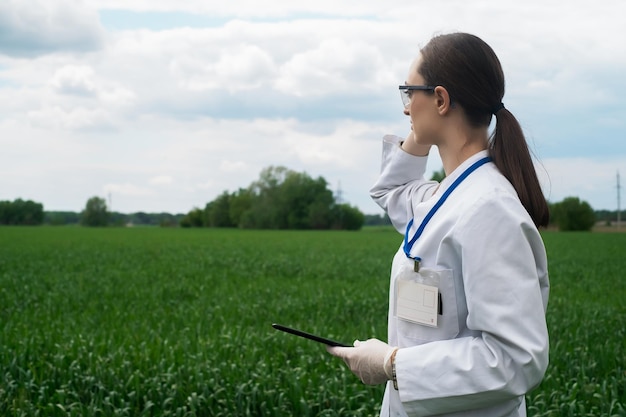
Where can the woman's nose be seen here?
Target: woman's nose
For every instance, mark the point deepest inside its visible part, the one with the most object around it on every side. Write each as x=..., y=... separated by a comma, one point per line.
x=406, y=111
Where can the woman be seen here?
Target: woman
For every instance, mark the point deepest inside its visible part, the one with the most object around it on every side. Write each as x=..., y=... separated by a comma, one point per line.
x=469, y=284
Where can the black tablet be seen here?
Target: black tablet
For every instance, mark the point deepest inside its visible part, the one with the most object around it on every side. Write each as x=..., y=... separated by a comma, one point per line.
x=308, y=335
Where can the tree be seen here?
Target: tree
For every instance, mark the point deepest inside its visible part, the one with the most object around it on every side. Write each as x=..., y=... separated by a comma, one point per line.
x=58, y=218
x=21, y=212
x=264, y=213
x=377, y=220
x=218, y=211
x=348, y=217
x=438, y=175
x=95, y=213
x=320, y=215
x=280, y=199
x=573, y=214
x=303, y=202
x=240, y=204
x=195, y=218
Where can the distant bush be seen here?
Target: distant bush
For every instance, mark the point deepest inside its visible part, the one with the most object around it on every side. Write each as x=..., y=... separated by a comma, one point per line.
x=572, y=214
x=95, y=214
x=21, y=212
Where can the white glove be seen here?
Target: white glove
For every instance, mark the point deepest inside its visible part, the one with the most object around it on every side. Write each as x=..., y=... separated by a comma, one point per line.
x=369, y=360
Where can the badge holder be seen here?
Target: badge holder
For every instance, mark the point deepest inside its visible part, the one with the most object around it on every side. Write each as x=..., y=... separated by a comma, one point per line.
x=417, y=294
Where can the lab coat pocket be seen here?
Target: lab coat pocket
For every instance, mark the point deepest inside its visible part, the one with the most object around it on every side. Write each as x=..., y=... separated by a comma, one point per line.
x=447, y=319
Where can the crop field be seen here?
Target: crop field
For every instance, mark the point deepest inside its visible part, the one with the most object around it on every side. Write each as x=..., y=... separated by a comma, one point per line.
x=177, y=322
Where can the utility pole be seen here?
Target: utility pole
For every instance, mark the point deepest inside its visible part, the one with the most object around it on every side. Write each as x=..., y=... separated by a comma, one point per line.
x=339, y=194
x=339, y=201
x=619, y=209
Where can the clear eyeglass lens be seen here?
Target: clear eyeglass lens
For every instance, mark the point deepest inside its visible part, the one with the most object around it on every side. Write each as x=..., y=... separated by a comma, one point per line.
x=406, y=97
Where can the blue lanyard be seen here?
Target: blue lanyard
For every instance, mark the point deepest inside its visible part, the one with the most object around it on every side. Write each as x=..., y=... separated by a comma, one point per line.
x=408, y=245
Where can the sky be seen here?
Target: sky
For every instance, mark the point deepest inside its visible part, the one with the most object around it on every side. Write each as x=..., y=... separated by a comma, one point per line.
x=162, y=105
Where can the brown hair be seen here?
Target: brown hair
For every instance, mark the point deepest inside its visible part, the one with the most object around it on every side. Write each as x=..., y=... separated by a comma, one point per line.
x=471, y=72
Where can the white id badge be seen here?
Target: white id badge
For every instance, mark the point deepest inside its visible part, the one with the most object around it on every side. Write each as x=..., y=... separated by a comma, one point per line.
x=417, y=295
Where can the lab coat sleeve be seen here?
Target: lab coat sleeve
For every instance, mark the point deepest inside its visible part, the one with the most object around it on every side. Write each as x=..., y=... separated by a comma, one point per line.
x=401, y=182
x=504, y=272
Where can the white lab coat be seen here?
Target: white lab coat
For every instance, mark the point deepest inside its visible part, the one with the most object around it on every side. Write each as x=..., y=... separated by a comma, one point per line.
x=491, y=345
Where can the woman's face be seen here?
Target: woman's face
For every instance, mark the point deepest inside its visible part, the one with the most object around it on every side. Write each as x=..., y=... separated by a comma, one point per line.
x=421, y=107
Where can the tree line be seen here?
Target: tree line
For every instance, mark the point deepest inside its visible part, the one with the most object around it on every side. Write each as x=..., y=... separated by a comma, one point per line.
x=280, y=199
x=30, y=213
x=21, y=212
x=104, y=217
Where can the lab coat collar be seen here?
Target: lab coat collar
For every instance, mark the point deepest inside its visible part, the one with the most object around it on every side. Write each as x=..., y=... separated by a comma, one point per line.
x=448, y=180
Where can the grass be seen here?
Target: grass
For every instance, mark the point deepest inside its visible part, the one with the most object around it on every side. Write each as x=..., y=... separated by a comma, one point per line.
x=176, y=322
x=587, y=322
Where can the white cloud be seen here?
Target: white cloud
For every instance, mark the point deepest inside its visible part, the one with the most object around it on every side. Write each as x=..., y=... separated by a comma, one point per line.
x=235, y=68
x=161, y=180
x=70, y=119
x=239, y=56
x=44, y=26
x=74, y=79
x=229, y=166
x=127, y=189
x=251, y=8
x=310, y=86
x=73, y=97
x=335, y=66
x=81, y=80
x=207, y=185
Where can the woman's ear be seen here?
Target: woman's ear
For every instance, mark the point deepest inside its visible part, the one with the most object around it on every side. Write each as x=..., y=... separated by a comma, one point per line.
x=444, y=103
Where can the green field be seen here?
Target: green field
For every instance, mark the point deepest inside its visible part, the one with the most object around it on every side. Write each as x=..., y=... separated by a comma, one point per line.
x=176, y=322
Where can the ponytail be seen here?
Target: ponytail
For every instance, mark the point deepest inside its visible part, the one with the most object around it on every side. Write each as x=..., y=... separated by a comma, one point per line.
x=509, y=152
x=471, y=72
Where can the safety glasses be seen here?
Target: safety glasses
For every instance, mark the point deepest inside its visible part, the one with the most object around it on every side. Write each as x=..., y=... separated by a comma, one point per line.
x=407, y=90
